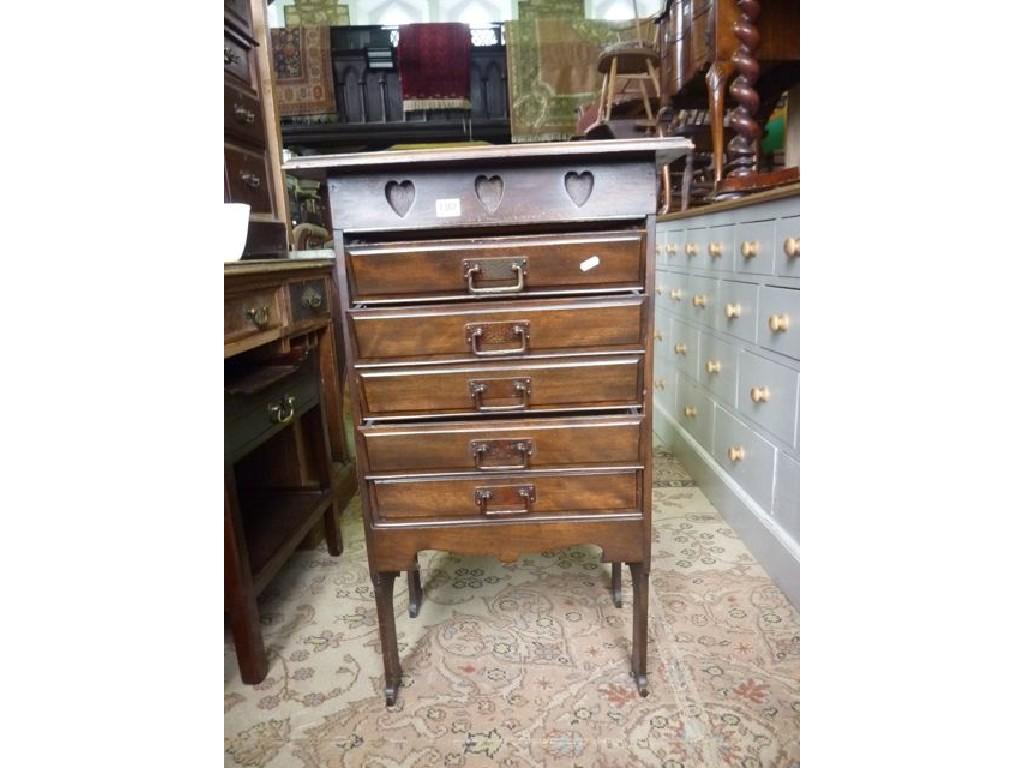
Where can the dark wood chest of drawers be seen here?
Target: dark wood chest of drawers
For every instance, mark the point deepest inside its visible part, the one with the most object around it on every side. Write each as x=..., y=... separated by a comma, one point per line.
x=498, y=325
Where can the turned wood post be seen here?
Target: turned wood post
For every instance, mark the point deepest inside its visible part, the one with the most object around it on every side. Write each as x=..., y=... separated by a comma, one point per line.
x=743, y=146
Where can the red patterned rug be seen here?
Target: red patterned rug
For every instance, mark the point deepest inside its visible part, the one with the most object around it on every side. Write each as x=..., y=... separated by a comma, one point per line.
x=304, y=82
x=433, y=61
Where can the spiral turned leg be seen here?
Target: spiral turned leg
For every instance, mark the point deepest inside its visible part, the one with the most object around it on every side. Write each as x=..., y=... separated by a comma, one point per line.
x=742, y=148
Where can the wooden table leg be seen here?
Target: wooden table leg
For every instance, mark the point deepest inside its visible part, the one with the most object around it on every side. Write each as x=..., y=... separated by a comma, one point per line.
x=641, y=576
x=415, y=591
x=617, y=584
x=239, y=591
x=383, y=592
x=717, y=77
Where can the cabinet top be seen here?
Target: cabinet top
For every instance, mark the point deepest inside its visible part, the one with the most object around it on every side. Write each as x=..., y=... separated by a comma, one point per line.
x=664, y=150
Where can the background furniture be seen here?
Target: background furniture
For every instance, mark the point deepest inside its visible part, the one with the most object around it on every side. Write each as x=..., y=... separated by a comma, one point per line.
x=498, y=331
x=285, y=468
x=252, y=145
x=727, y=365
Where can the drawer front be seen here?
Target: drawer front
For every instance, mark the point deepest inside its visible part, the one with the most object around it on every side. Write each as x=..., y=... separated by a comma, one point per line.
x=309, y=299
x=778, y=320
x=251, y=418
x=248, y=178
x=747, y=457
x=660, y=257
x=721, y=247
x=502, y=388
x=662, y=334
x=236, y=60
x=737, y=309
x=243, y=116
x=674, y=241
x=676, y=293
x=496, y=267
x=787, y=243
x=695, y=245
x=685, y=348
x=695, y=411
x=252, y=313
x=768, y=394
x=787, y=496
x=238, y=12
x=700, y=299
x=461, y=332
x=755, y=247
x=507, y=496
x=659, y=385
x=503, y=445
x=718, y=368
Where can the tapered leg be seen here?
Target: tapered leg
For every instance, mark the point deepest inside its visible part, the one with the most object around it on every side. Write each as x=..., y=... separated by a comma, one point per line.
x=717, y=77
x=384, y=592
x=332, y=533
x=239, y=592
x=415, y=591
x=641, y=576
x=617, y=584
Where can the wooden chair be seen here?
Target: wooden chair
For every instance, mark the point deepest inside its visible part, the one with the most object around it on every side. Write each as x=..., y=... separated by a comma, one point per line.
x=625, y=62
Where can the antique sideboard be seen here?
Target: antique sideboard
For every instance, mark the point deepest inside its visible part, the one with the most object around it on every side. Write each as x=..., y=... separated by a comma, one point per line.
x=498, y=327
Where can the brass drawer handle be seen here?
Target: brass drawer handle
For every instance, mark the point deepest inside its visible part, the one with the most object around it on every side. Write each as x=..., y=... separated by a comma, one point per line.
x=312, y=298
x=680, y=349
x=691, y=249
x=700, y=300
x=521, y=386
x=282, y=412
x=791, y=245
x=476, y=332
x=524, y=448
x=525, y=493
x=715, y=250
x=714, y=366
x=231, y=56
x=250, y=180
x=244, y=115
x=690, y=412
x=760, y=394
x=260, y=316
x=778, y=323
x=737, y=454
x=676, y=294
x=732, y=311
x=471, y=268
x=749, y=249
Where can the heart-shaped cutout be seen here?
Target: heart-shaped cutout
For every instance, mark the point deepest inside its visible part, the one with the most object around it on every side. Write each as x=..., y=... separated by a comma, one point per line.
x=400, y=195
x=579, y=186
x=489, y=192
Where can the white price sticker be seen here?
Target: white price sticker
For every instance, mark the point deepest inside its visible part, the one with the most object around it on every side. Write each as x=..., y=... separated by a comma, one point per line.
x=588, y=264
x=447, y=207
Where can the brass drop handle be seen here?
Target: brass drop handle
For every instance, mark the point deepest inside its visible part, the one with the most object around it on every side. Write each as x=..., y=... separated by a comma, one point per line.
x=522, y=330
x=525, y=493
x=749, y=249
x=691, y=249
x=472, y=268
x=521, y=387
x=778, y=323
x=282, y=412
x=714, y=366
x=244, y=115
x=737, y=454
x=791, y=245
x=677, y=294
x=482, y=447
x=700, y=300
x=689, y=411
x=760, y=394
x=250, y=179
x=657, y=335
x=260, y=316
x=715, y=250
x=680, y=349
x=231, y=56
x=732, y=311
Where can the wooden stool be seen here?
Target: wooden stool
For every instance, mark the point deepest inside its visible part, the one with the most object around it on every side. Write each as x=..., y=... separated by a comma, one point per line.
x=628, y=61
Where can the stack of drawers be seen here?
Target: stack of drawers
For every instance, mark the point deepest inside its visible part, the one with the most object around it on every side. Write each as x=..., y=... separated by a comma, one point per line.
x=498, y=326
x=727, y=345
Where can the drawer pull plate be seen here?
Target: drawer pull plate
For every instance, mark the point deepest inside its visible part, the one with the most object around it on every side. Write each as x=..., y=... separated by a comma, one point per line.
x=760, y=394
x=506, y=388
x=495, y=269
x=778, y=323
x=749, y=249
x=260, y=316
x=498, y=333
x=231, y=56
x=737, y=454
x=312, y=298
x=282, y=412
x=501, y=450
x=791, y=245
x=505, y=497
x=714, y=366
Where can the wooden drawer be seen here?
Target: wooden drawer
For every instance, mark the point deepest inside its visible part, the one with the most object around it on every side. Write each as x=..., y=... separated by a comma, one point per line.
x=676, y=293
x=718, y=368
x=662, y=334
x=787, y=495
x=721, y=247
x=695, y=249
x=674, y=258
x=613, y=382
x=239, y=14
x=701, y=300
x=236, y=60
x=309, y=300
x=243, y=116
x=768, y=395
x=471, y=446
x=252, y=417
x=253, y=313
x=247, y=178
x=737, y=309
x=746, y=456
x=506, y=329
x=695, y=411
x=685, y=348
x=787, y=243
x=778, y=320
x=659, y=384
x=507, y=496
x=493, y=268
x=755, y=247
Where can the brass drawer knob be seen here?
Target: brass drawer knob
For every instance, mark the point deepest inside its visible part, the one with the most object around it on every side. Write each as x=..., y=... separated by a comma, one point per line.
x=749, y=249
x=732, y=311
x=760, y=394
x=672, y=249
x=680, y=349
x=791, y=245
x=659, y=384
x=714, y=366
x=659, y=249
x=658, y=289
x=282, y=412
x=737, y=454
x=778, y=323
x=715, y=249
x=657, y=335
x=691, y=249
x=260, y=316
x=700, y=300
x=689, y=411
x=677, y=294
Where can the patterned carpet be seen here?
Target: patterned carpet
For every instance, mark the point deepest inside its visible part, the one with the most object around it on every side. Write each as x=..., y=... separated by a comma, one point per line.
x=528, y=664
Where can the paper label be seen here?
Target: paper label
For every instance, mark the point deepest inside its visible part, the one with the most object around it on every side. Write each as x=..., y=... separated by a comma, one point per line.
x=588, y=264
x=446, y=207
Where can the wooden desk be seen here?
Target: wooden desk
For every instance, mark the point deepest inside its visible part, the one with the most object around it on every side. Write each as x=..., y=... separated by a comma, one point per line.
x=285, y=467
x=498, y=326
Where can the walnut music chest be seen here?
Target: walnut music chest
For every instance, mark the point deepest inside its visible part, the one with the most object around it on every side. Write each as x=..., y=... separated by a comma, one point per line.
x=498, y=323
